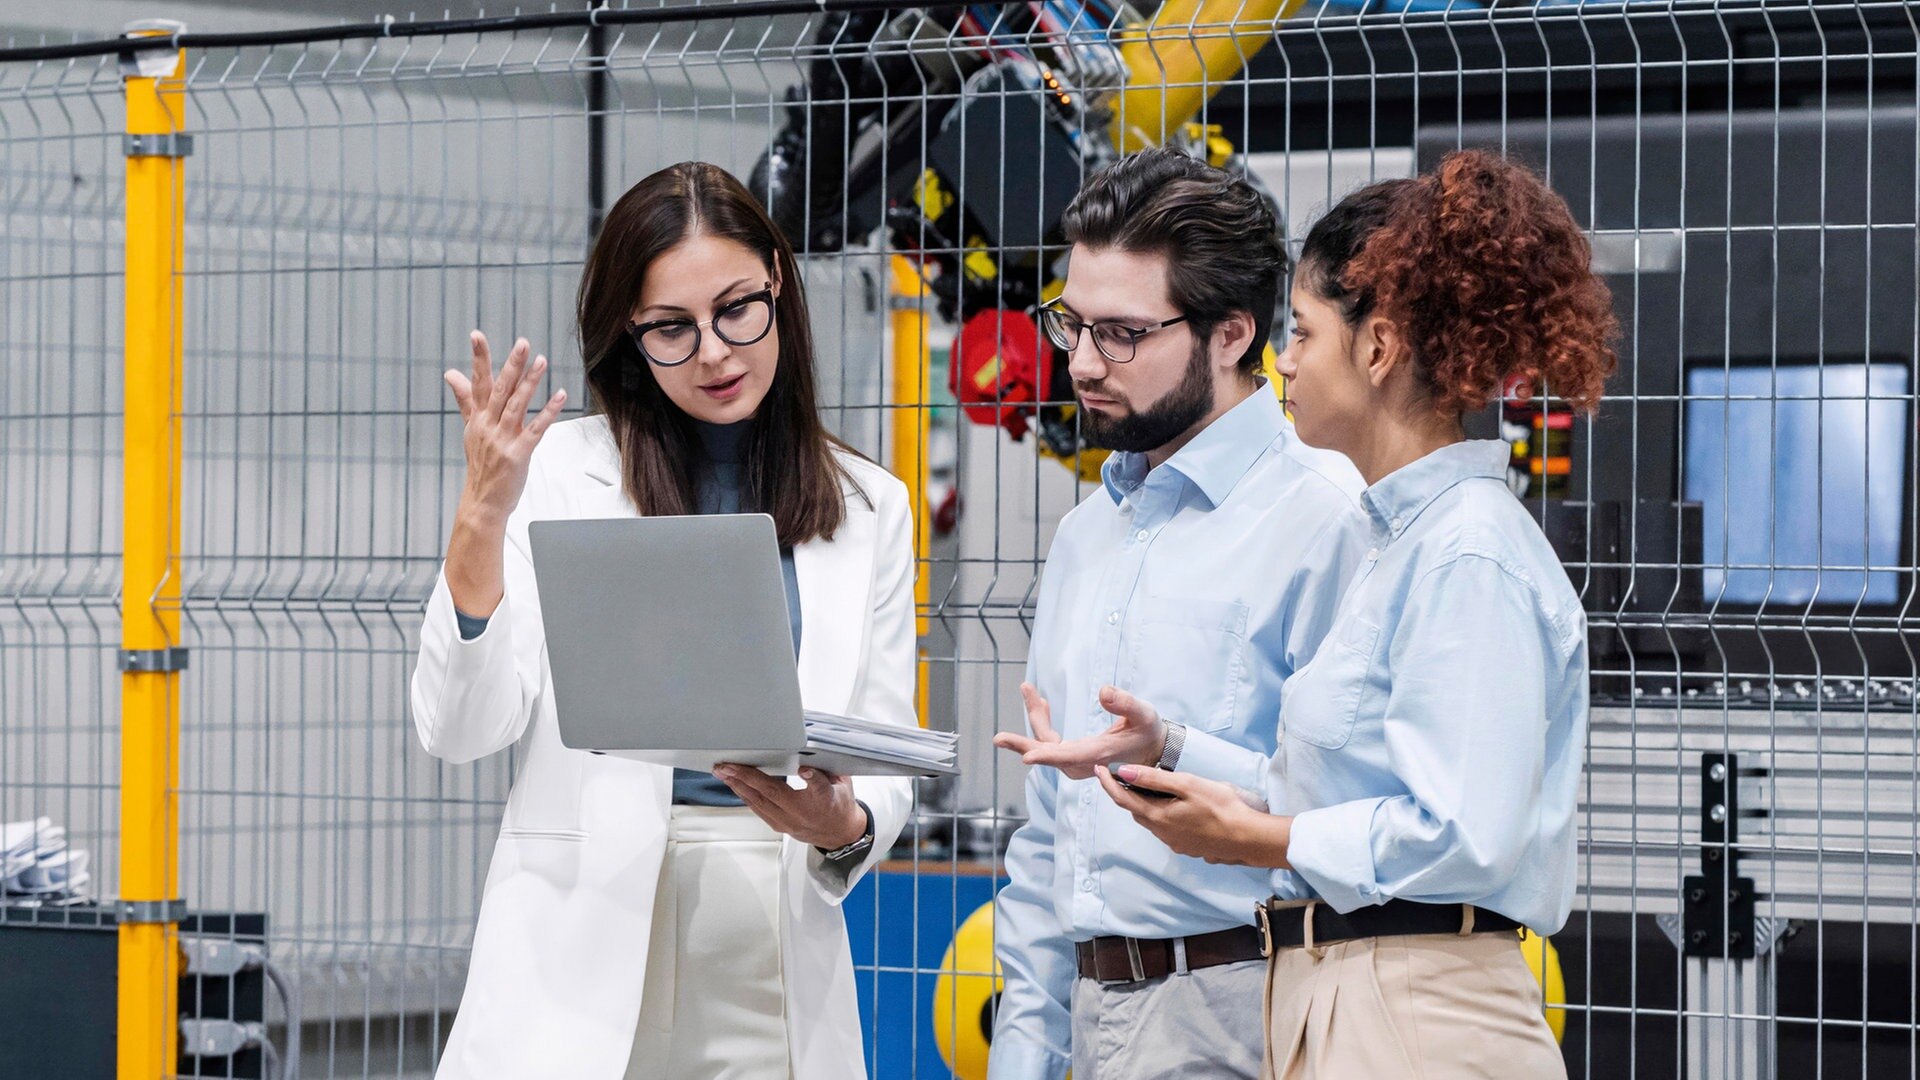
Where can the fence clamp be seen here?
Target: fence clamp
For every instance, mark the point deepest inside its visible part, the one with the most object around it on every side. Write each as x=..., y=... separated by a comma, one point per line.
x=175, y=144
x=150, y=49
x=152, y=911
x=1717, y=905
x=174, y=659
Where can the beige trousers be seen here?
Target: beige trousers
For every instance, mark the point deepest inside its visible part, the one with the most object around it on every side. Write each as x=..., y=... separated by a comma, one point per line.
x=714, y=1007
x=1429, y=1006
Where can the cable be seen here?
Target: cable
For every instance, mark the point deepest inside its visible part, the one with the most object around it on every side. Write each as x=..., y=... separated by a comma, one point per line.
x=290, y=1005
x=226, y=957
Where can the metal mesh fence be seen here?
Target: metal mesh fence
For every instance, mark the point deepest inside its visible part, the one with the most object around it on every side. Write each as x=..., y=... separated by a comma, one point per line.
x=1740, y=519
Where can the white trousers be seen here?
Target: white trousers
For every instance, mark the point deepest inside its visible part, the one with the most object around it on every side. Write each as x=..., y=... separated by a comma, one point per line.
x=714, y=1007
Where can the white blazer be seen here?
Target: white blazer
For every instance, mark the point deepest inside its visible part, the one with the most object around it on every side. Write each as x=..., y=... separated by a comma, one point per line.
x=560, y=951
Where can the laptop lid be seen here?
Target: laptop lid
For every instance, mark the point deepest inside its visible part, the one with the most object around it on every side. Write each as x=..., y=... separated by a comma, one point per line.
x=668, y=633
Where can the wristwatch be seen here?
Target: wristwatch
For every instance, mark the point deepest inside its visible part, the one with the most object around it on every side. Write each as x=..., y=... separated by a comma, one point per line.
x=1170, y=750
x=854, y=852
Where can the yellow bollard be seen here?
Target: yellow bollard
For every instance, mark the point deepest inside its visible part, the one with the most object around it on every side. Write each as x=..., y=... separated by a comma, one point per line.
x=1177, y=61
x=912, y=398
x=150, y=658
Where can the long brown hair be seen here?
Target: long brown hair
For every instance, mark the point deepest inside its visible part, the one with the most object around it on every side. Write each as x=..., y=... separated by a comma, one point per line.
x=791, y=470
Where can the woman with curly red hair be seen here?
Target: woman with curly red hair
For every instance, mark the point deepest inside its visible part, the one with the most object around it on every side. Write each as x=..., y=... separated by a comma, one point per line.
x=1420, y=809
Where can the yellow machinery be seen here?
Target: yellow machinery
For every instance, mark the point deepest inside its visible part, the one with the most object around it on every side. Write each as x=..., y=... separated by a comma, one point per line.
x=1181, y=57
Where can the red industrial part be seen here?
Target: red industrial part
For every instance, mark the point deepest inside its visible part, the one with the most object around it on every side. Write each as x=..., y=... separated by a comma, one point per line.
x=999, y=366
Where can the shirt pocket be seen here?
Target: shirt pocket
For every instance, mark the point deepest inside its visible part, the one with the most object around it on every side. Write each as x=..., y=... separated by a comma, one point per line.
x=1323, y=703
x=1190, y=659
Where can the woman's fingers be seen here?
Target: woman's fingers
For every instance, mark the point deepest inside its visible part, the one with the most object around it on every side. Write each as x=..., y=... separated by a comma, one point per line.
x=770, y=812
x=482, y=370
x=1124, y=799
x=462, y=388
x=749, y=778
x=1179, y=785
x=820, y=781
x=515, y=415
x=509, y=380
x=538, y=426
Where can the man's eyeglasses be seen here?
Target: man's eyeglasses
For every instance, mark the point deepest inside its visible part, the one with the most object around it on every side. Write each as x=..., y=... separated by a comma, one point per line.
x=1115, y=341
x=672, y=342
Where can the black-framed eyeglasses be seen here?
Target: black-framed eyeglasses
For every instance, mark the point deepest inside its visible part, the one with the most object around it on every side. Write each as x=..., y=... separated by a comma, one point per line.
x=1115, y=341
x=672, y=342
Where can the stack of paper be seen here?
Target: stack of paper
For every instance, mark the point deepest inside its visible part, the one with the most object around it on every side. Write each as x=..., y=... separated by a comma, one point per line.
x=37, y=866
x=890, y=742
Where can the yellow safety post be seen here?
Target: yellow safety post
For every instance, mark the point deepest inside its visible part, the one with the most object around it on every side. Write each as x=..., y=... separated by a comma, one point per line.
x=911, y=400
x=1184, y=54
x=151, y=658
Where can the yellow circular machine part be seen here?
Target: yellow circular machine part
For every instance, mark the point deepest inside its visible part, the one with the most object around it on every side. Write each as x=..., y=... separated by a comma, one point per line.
x=1544, y=961
x=964, y=997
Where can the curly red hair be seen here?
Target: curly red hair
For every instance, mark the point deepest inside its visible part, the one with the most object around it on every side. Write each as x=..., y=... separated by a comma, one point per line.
x=1488, y=274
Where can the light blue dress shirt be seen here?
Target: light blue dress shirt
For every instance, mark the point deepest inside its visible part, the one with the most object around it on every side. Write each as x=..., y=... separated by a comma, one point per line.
x=1200, y=586
x=1432, y=749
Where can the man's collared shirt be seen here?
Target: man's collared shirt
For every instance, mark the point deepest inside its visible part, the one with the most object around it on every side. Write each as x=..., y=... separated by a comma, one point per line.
x=1432, y=750
x=1199, y=586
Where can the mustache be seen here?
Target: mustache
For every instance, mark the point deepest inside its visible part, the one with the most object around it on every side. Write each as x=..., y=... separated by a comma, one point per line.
x=1097, y=388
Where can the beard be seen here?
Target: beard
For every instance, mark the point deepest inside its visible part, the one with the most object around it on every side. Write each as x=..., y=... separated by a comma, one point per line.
x=1141, y=430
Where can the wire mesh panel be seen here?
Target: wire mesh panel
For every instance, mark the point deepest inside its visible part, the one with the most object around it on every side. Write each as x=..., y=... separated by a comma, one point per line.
x=1739, y=519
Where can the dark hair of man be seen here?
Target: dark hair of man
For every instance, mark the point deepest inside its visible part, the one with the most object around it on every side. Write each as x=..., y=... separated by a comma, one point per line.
x=791, y=471
x=1217, y=233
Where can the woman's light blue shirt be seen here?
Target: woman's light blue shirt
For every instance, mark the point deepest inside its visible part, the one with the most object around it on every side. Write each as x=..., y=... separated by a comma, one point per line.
x=1431, y=750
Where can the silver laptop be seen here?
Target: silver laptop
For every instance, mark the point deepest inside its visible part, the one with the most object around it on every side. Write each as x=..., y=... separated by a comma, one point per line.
x=669, y=642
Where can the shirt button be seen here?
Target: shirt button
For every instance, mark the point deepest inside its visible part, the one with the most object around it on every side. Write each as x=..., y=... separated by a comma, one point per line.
x=1112, y=617
x=1141, y=536
x=1087, y=885
x=1395, y=523
x=1372, y=554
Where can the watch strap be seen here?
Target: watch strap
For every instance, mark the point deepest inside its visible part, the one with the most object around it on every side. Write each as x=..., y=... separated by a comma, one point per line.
x=1170, y=750
x=857, y=850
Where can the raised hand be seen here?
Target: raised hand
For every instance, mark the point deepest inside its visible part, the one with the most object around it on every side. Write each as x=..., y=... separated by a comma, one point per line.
x=499, y=437
x=499, y=443
x=1136, y=735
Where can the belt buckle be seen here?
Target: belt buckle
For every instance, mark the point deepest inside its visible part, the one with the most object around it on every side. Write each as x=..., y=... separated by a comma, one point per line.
x=1134, y=964
x=1263, y=915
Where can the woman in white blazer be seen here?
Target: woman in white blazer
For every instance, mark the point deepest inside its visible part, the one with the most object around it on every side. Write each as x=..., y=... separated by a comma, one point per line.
x=639, y=921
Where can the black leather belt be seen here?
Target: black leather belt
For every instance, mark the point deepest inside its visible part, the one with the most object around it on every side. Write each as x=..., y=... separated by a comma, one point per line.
x=1121, y=959
x=1285, y=925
